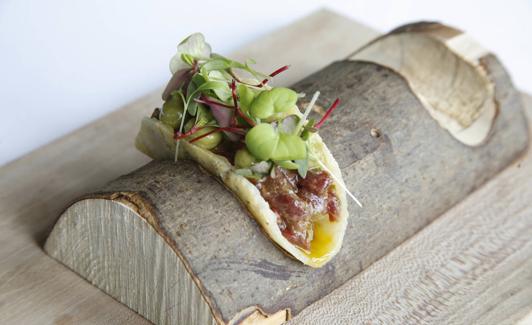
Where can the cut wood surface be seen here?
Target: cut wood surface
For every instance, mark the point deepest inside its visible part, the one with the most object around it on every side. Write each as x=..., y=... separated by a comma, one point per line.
x=126, y=258
x=34, y=289
x=445, y=69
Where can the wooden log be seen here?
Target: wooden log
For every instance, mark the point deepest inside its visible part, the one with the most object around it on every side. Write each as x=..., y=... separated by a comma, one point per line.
x=472, y=265
x=173, y=244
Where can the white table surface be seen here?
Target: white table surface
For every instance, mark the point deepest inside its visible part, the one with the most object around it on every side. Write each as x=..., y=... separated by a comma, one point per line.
x=64, y=63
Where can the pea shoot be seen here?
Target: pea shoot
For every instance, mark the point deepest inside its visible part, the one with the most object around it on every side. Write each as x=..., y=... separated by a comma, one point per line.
x=217, y=103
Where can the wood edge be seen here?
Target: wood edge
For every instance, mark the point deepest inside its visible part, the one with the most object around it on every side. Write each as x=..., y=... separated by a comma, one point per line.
x=422, y=103
x=419, y=27
x=145, y=209
x=433, y=27
x=477, y=131
x=254, y=315
x=526, y=113
x=526, y=104
x=482, y=65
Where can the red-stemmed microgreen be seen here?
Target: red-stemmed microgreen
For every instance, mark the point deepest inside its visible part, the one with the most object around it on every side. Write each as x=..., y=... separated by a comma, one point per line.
x=258, y=120
x=273, y=74
x=235, y=77
x=264, y=82
x=210, y=101
x=219, y=129
x=328, y=113
x=178, y=135
x=201, y=77
x=237, y=108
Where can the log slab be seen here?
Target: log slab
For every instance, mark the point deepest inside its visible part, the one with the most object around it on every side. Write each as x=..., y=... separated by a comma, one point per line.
x=406, y=175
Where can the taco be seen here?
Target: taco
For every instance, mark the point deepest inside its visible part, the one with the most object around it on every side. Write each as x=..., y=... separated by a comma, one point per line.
x=252, y=137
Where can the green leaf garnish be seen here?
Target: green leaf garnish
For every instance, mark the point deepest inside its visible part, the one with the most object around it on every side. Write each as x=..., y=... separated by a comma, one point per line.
x=269, y=102
x=246, y=95
x=265, y=143
x=210, y=85
x=216, y=64
x=302, y=167
x=188, y=59
x=223, y=93
x=247, y=173
x=309, y=129
x=172, y=111
x=287, y=164
x=194, y=47
x=244, y=159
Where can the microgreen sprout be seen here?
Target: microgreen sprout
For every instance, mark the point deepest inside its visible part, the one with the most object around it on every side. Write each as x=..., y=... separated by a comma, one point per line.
x=273, y=74
x=328, y=113
x=219, y=129
x=255, y=130
x=264, y=81
x=237, y=108
x=208, y=102
x=194, y=129
x=308, y=109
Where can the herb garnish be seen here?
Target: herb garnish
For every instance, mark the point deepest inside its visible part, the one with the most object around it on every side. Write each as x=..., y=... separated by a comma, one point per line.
x=211, y=99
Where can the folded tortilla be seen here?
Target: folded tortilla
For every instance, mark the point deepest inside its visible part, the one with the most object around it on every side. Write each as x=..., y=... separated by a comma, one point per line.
x=156, y=140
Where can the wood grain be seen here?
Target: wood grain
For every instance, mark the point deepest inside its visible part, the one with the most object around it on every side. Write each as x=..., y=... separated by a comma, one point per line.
x=127, y=259
x=34, y=289
x=37, y=187
x=473, y=265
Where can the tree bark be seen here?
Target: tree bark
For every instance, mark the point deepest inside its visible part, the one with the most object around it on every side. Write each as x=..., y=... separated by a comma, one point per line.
x=395, y=157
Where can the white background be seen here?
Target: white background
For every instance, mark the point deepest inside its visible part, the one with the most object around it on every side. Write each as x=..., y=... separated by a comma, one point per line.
x=64, y=63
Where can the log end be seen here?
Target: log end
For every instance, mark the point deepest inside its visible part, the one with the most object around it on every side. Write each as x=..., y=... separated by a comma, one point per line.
x=114, y=242
x=444, y=68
